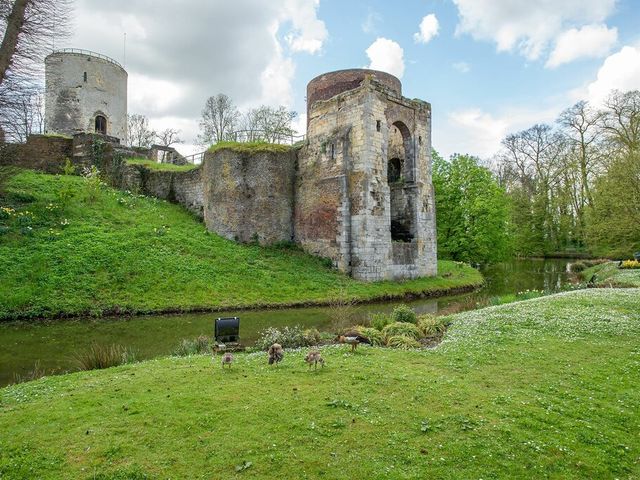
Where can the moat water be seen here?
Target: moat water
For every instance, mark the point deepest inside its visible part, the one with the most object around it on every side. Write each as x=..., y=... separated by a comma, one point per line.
x=52, y=345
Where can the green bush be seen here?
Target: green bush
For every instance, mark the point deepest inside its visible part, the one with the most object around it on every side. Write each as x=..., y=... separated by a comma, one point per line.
x=402, y=329
x=194, y=346
x=403, y=342
x=372, y=334
x=380, y=320
x=104, y=356
x=432, y=326
x=312, y=335
x=404, y=313
x=288, y=337
x=578, y=266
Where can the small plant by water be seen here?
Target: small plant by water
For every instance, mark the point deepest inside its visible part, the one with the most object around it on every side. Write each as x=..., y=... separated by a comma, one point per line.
x=104, y=356
x=402, y=329
x=194, y=346
x=403, y=313
x=289, y=337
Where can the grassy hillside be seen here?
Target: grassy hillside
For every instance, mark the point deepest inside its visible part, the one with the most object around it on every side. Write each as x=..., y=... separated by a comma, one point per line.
x=546, y=388
x=608, y=274
x=70, y=246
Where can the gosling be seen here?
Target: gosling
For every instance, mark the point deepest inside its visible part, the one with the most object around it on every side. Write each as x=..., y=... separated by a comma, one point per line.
x=314, y=358
x=227, y=359
x=276, y=354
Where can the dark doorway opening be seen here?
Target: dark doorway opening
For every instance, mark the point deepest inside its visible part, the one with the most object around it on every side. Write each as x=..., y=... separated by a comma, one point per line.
x=101, y=125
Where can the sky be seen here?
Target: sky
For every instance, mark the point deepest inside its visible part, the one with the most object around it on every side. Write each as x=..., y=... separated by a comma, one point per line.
x=488, y=67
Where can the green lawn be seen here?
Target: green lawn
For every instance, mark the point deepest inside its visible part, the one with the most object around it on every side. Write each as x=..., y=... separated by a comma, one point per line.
x=545, y=388
x=608, y=274
x=70, y=247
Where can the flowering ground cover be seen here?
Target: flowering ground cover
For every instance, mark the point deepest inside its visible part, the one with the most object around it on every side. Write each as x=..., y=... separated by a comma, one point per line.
x=544, y=388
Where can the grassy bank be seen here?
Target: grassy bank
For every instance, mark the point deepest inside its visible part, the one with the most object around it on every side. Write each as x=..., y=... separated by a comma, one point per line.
x=608, y=274
x=164, y=167
x=70, y=246
x=546, y=388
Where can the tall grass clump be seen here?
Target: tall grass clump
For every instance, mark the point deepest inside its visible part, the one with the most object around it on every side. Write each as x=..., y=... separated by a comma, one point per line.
x=402, y=329
x=404, y=313
x=403, y=342
x=373, y=334
x=193, y=346
x=104, y=356
x=432, y=326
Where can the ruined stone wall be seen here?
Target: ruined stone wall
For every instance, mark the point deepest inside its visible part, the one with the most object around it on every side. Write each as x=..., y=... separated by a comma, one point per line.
x=249, y=197
x=184, y=188
x=40, y=152
x=80, y=86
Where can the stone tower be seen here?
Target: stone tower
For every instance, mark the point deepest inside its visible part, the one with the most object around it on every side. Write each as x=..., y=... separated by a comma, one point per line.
x=85, y=92
x=364, y=194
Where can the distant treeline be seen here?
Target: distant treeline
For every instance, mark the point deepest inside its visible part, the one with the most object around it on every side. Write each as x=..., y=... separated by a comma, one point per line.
x=569, y=187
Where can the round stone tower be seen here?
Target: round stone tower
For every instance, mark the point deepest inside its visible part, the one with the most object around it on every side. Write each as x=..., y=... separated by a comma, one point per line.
x=85, y=92
x=328, y=85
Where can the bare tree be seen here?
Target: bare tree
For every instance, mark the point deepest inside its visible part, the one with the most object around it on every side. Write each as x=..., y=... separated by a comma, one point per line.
x=27, y=31
x=219, y=117
x=24, y=115
x=168, y=137
x=621, y=120
x=138, y=132
x=268, y=124
x=580, y=124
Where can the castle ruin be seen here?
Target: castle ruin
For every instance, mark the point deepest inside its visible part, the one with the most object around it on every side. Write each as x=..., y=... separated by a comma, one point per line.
x=359, y=191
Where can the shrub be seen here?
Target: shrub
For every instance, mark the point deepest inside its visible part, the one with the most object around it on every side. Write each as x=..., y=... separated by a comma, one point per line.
x=432, y=326
x=630, y=264
x=402, y=329
x=194, y=346
x=578, y=266
x=372, y=334
x=403, y=342
x=288, y=337
x=380, y=320
x=104, y=356
x=404, y=313
x=312, y=336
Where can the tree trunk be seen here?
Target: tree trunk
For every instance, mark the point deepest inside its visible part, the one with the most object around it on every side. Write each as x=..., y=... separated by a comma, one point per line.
x=15, y=25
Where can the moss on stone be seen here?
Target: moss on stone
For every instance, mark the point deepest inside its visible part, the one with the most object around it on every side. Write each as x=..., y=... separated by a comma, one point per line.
x=168, y=167
x=250, y=147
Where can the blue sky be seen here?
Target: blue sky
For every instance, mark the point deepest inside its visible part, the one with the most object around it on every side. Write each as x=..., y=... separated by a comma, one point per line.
x=488, y=67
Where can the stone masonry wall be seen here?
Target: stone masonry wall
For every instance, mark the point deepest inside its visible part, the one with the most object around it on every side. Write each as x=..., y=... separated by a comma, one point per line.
x=40, y=152
x=249, y=197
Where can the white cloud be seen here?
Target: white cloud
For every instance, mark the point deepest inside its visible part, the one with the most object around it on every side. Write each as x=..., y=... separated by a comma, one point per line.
x=429, y=27
x=462, y=67
x=371, y=21
x=387, y=56
x=591, y=41
x=620, y=71
x=309, y=32
x=527, y=26
x=244, y=48
x=480, y=133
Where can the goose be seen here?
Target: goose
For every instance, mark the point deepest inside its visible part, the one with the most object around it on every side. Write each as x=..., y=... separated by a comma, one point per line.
x=276, y=354
x=354, y=339
x=314, y=358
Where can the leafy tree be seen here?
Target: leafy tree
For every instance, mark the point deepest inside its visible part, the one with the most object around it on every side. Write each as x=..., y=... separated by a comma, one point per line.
x=472, y=211
x=268, y=124
x=614, y=220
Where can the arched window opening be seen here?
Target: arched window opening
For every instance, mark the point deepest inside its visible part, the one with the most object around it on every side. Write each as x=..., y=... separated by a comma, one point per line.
x=101, y=125
x=399, y=178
